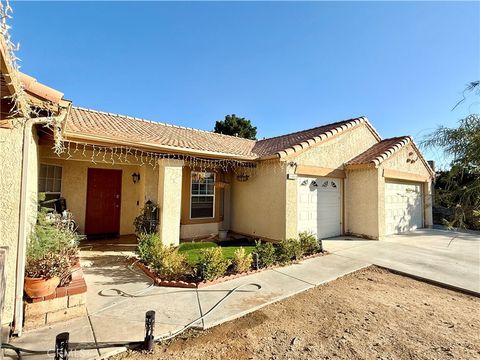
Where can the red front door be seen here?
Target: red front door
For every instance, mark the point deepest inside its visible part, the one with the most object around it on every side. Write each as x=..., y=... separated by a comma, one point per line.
x=104, y=188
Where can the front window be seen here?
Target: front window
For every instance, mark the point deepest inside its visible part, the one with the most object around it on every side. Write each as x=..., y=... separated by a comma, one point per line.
x=50, y=183
x=50, y=179
x=202, y=202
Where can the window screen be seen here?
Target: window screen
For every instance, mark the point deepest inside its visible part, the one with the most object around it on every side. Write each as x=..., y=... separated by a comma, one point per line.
x=202, y=202
x=50, y=179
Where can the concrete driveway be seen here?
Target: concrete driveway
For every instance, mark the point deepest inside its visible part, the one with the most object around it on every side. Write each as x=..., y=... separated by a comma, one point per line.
x=448, y=257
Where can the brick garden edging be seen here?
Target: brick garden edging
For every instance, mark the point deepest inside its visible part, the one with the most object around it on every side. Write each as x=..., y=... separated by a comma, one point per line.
x=65, y=303
x=201, y=284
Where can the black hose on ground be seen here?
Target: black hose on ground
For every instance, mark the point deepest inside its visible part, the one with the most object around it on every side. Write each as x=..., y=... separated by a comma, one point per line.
x=128, y=344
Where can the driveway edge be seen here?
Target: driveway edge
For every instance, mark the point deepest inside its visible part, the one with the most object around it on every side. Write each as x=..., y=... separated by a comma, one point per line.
x=431, y=282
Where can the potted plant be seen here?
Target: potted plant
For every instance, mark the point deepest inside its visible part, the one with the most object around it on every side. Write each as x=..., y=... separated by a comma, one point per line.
x=42, y=276
x=51, y=254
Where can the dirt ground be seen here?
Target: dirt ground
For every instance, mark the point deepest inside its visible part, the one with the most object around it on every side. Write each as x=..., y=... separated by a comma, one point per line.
x=371, y=314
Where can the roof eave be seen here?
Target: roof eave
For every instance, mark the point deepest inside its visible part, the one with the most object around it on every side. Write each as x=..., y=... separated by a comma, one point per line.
x=375, y=163
x=10, y=72
x=99, y=140
x=295, y=149
x=362, y=166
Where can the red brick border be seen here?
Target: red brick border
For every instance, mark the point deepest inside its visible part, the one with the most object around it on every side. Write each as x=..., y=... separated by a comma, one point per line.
x=76, y=286
x=201, y=284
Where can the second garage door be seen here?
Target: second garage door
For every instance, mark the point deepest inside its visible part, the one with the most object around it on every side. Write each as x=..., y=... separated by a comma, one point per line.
x=403, y=207
x=319, y=206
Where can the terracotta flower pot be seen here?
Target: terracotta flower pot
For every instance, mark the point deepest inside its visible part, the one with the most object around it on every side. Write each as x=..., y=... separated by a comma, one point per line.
x=38, y=287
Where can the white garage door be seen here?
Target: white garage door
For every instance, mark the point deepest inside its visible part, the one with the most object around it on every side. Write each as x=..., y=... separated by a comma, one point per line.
x=403, y=207
x=319, y=206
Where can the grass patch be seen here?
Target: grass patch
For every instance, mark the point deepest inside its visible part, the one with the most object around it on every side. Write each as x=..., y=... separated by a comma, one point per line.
x=192, y=249
x=229, y=250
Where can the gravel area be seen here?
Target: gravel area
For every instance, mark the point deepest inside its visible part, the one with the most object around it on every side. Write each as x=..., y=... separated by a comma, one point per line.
x=371, y=314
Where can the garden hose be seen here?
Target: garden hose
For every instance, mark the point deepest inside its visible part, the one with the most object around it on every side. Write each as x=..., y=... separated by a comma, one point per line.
x=131, y=344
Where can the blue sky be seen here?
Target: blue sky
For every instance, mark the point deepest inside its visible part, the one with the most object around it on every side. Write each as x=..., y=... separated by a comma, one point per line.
x=286, y=66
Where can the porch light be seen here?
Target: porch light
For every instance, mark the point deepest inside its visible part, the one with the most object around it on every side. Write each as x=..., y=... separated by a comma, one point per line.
x=135, y=177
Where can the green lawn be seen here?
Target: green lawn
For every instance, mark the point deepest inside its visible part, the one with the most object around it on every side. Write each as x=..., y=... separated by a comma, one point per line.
x=192, y=250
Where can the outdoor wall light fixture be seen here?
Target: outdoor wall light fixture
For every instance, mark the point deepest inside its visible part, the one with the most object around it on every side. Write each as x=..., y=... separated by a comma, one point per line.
x=135, y=177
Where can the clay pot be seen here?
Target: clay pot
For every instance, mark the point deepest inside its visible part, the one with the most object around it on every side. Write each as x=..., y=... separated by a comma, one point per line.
x=39, y=287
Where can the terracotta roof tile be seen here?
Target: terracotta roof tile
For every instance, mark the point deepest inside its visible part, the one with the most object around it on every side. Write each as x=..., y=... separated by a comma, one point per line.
x=285, y=144
x=84, y=122
x=380, y=151
x=31, y=85
x=89, y=122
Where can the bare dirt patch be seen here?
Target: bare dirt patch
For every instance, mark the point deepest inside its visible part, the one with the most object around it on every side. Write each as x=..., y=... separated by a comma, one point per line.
x=366, y=315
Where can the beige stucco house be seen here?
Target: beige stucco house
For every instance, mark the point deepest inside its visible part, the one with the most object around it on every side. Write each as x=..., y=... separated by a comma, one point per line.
x=340, y=178
x=334, y=179
x=25, y=105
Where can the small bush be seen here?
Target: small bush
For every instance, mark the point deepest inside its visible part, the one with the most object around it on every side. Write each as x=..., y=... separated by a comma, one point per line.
x=288, y=250
x=52, y=247
x=211, y=264
x=50, y=265
x=265, y=252
x=242, y=262
x=49, y=236
x=146, y=246
x=169, y=264
x=309, y=243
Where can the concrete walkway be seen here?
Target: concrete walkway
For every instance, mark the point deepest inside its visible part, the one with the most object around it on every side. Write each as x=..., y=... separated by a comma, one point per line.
x=118, y=295
x=447, y=257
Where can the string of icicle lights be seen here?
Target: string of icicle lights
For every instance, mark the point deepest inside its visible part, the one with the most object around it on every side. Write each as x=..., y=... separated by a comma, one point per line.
x=124, y=155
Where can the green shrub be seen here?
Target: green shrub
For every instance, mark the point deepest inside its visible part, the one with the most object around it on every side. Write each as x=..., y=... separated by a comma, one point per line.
x=49, y=236
x=265, y=251
x=211, y=264
x=169, y=263
x=242, y=262
x=288, y=250
x=52, y=247
x=146, y=246
x=309, y=243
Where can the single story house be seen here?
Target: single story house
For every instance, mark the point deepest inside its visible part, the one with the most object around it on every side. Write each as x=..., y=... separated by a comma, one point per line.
x=334, y=179
x=339, y=178
x=25, y=106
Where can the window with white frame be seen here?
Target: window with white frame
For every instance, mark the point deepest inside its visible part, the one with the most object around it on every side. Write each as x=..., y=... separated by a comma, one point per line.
x=50, y=179
x=202, y=200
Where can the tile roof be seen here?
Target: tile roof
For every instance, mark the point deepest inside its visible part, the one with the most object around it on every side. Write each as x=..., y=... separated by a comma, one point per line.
x=107, y=126
x=31, y=85
x=143, y=132
x=286, y=144
x=380, y=151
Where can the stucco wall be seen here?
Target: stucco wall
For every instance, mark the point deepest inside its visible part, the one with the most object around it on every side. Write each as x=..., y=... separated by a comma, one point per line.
x=333, y=153
x=258, y=205
x=192, y=231
x=32, y=183
x=399, y=162
x=362, y=203
x=170, y=200
x=11, y=144
x=150, y=177
x=11, y=160
x=74, y=187
x=402, y=161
